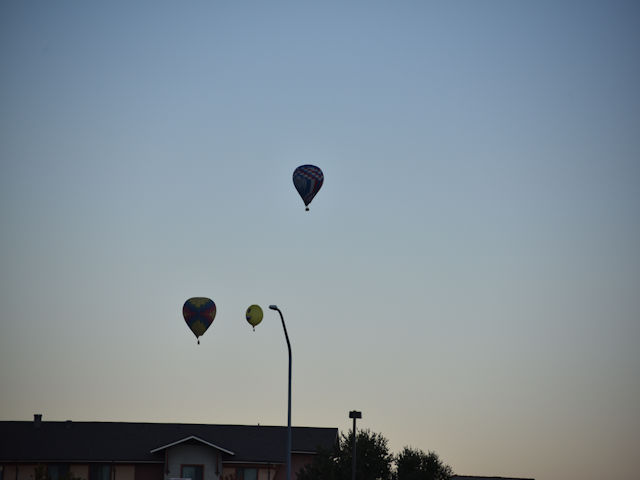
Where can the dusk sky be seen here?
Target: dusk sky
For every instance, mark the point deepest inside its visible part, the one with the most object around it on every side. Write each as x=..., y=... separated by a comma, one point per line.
x=468, y=277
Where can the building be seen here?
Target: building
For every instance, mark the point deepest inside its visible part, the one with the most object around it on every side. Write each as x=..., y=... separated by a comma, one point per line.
x=153, y=451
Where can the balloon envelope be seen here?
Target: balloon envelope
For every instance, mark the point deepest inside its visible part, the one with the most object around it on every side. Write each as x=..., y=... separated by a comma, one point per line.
x=199, y=313
x=307, y=179
x=254, y=315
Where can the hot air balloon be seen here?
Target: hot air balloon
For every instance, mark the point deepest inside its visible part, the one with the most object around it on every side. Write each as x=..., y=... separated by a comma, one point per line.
x=254, y=315
x=307, y=179
x=199, y=313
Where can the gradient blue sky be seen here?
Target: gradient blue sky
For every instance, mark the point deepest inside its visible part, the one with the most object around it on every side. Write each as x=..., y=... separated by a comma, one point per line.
x=468, y=277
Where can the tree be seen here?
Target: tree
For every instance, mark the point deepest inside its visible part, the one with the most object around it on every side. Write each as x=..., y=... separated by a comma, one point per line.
x=414, y=464
x=324, y=466
x=373, y=459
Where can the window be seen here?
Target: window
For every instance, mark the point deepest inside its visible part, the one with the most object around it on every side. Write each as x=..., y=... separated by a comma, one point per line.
x=57, y=471
x=247, y=473
x=100, y=471
x=194, y=472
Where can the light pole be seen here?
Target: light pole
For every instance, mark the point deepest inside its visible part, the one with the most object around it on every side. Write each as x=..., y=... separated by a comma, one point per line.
x=275, y=307
x=354, y=414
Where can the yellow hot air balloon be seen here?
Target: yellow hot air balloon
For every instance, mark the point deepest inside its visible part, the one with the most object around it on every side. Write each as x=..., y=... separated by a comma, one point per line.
x=254, y=315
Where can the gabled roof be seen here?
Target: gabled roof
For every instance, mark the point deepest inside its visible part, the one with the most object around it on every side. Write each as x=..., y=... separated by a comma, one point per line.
x=144, y=442
x=189, y=439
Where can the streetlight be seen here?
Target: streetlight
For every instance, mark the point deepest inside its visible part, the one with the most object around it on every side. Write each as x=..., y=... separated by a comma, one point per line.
x=275, y=307
x=354, y=414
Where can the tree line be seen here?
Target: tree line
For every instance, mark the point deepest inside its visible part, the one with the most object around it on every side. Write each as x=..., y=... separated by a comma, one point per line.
x=374, y=461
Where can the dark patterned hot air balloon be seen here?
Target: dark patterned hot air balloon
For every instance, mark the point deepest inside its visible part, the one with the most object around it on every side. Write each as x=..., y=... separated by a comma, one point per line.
x=307, y=179
x=199, y=313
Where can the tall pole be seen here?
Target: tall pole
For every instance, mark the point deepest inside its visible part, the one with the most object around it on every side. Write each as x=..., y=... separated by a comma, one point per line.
x=353, y=457
x=286, y=336
x=354, y=414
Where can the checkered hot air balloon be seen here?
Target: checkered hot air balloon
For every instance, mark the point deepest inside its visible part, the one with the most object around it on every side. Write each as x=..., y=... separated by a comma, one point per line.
x=307, y=179
x=199, y=313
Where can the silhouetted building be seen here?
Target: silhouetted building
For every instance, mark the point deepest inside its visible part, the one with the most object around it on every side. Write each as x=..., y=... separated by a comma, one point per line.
x=153, y=451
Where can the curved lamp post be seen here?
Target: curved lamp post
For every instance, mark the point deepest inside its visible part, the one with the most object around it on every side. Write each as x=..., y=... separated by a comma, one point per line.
x=275, y=307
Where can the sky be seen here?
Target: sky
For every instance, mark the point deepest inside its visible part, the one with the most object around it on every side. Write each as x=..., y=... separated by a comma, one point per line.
x=468, y=276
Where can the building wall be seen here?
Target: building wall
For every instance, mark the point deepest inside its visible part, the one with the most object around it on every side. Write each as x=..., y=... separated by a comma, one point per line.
x=203, y=455
x=299, y=461
x=124, y=472
x=267, y=473
x=24, y=471
x=280, y=472
x=79, y=471
x=273, y=472
x=149, y=471
x=264, y=473
x=178, y=455
x=9, y=472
